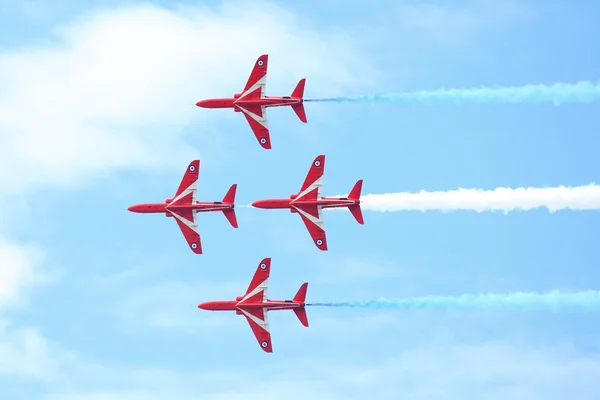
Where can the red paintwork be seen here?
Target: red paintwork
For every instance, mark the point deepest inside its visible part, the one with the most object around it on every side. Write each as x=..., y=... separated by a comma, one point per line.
x=199, y=206
x=183, y=207
x=308, y=203
x=232, y=305
x=324, y=202
x=267, y=101
x=252, y=102
x=254, y=305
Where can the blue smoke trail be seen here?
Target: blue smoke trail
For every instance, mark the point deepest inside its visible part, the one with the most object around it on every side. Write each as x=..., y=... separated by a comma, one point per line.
x=559, y=93
x=554, y=300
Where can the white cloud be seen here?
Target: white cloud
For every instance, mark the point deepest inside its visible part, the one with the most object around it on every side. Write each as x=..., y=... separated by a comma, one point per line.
x=444, y=369
x=115, y=89
x=17, y=271
x=172, y=306
x=23, y=350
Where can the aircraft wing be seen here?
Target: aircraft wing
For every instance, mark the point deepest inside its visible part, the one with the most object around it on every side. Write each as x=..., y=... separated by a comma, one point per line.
x=257, y=293
x=259, y=285
x=186, y=219
x=257, y=118
x=186, y=192
x=312, y=216
x=186, y=195
x=259, y=323
x=255, y=86
x=311, y=188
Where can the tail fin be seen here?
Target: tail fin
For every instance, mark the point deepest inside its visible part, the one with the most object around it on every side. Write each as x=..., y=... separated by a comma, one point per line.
x=230, y=196
x=298, y=93
x=230, y=199
x=299, y=298
x=299, y=110
x=355, y=195
x=301, y=314
x=301, y=295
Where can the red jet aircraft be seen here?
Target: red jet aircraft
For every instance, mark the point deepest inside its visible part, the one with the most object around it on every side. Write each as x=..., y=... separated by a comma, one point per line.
x=308, y=202
x=254, y=305
x=253, y=102
x=183, y=206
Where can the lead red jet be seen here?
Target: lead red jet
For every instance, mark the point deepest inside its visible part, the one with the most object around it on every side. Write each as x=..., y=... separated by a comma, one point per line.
x=254, y=305
x=183, y=207
x=253, y=102
x=309, y=204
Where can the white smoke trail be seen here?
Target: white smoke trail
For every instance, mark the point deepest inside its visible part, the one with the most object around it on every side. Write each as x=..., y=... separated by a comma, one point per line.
x=554, y=301
x=500, y=199
x=558, y=93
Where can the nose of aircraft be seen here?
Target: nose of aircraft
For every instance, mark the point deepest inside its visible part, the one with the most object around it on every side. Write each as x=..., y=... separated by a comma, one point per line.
x=258, y=204
x=203, y=306
x=132, y=208
x=201, y=103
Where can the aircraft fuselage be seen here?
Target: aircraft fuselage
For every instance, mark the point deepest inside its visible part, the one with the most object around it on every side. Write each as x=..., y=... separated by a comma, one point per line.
x=150, y=208
x=234, y=305
x=325, y=202
x=233, y=102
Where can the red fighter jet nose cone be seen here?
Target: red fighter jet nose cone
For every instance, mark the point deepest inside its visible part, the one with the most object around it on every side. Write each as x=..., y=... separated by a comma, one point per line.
x=201, y=103
x=132, y=208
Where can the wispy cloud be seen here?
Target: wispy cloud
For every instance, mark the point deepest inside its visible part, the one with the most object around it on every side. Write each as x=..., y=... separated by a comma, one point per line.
x=115, y=89
x=19, y=271
x=24, y=351
x=452, y=369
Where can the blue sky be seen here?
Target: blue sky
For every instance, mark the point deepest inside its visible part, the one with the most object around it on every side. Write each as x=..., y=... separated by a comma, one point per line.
x=97, y=113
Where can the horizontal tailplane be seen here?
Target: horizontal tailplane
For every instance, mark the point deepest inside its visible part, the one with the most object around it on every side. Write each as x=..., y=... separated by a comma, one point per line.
x=301, y=294
x=355, y=208
x=298, y=93
x=355, y=192
x=230, y=212
x=299, y=298
x=357, y=213
x=301, y=314
x=299, y=110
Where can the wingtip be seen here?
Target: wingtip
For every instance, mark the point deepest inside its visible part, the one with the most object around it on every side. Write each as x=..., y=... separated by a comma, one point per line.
x=266, y=260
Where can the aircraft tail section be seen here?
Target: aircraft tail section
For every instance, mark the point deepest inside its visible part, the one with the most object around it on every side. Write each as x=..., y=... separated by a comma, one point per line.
x=301, y=314
x=300, y=298
x=230, y=199
x=355, y=208
x=298, y=93
x=230, y=196
x=301, y=295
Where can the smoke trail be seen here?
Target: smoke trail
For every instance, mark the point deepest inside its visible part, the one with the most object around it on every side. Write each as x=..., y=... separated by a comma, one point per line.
x=554, y=301
x=558, y=93
x=504, y=199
